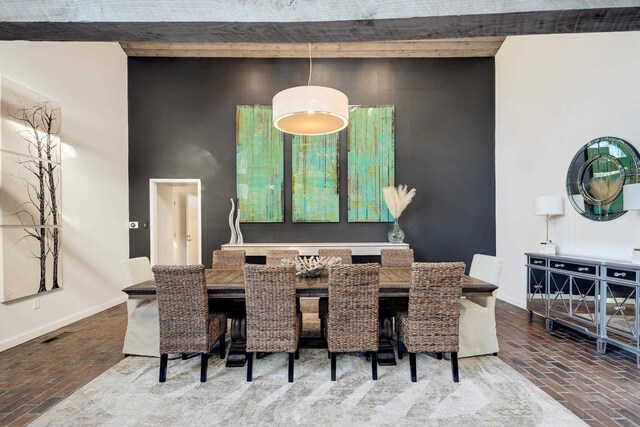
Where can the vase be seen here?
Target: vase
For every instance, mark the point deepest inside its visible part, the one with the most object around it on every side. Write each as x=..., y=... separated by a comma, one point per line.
x=240, y=238
x=396, y=235
x=234, y=237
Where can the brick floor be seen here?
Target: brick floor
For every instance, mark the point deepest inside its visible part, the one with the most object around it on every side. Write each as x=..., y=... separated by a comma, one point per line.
x=603, y=390
x=600, y=389
x=36, y=375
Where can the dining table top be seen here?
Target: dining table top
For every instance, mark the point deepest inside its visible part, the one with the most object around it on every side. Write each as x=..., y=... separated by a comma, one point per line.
x=229, y=283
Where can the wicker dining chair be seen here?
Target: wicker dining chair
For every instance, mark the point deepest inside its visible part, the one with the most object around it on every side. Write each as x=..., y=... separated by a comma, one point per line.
x=186, y=325
x=432, y=322
x=275, y=256
x=273, y=323
x=396, y=258
x=323, y=302
x=352, y=324
x=229, y=259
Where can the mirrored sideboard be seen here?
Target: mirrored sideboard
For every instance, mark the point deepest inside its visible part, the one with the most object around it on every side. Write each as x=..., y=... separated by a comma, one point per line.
x=600, y=298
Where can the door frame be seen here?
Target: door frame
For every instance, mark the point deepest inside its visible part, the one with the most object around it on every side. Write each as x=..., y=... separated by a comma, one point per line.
x=153, y=213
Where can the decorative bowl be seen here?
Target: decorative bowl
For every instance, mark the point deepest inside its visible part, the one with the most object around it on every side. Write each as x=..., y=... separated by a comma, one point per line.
x=312, y=266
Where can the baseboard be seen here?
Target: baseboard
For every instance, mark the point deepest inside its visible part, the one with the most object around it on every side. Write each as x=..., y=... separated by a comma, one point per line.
x=513, y=301
x=35, y=333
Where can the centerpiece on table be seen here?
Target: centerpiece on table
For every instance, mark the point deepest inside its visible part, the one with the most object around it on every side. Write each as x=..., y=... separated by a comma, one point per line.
x=312, y=266
x=397, y=200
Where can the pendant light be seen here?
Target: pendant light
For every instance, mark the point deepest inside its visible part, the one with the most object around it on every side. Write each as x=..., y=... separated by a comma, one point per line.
x=310, y=110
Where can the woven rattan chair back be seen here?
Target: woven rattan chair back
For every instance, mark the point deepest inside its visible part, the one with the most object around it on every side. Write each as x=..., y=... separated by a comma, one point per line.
x=353, y=308
x=230, y=259
x=182, y=308
x=434, y=305
x=274, y=256
x=396, y=258
x=270, y=296
x=343, y=254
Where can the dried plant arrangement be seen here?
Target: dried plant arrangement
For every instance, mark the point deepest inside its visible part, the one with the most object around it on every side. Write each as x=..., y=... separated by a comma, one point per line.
x=397, y=199
x=604, y=189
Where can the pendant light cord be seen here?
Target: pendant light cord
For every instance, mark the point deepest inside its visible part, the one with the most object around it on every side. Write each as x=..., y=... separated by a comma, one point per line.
x=310, y=66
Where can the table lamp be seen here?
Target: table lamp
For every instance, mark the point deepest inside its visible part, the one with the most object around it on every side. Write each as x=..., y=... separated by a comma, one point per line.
x=548, y=206
x=631, y=202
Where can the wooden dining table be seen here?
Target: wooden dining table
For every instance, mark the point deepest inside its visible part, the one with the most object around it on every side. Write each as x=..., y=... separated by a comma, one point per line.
x=226, y=293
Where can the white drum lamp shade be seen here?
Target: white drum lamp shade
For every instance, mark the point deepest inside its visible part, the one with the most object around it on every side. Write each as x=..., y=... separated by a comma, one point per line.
x=631, y=197
x=310, y=110
x=548, y=205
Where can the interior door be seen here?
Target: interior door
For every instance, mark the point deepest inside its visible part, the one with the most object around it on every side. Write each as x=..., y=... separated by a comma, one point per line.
x=192, y=229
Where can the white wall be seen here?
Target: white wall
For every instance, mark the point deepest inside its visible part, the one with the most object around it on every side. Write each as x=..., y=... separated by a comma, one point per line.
x=553, y=95
x=89, y=81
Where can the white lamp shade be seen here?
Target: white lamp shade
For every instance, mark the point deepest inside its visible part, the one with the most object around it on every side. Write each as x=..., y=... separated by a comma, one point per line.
x=631, y=197
x=310, y=110
x=548, y=205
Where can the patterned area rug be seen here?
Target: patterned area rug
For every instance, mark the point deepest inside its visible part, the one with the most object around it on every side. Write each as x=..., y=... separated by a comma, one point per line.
x=489, y=393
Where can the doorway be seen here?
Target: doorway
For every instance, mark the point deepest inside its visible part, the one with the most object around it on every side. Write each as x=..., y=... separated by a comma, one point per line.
x=175, y=221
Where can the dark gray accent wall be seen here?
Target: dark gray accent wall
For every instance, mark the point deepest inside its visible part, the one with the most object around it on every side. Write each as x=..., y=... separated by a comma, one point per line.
x=182, y=125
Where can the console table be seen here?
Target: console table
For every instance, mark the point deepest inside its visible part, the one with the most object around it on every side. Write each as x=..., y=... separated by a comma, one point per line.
x=600, y=298
x=307, y=249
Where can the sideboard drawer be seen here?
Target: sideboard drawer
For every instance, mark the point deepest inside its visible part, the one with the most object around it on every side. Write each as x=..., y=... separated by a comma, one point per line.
x=541, y=262
x=576, y=268
x=617, y=273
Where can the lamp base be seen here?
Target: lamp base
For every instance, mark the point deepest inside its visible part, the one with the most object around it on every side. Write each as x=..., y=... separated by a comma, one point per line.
x=547, y=248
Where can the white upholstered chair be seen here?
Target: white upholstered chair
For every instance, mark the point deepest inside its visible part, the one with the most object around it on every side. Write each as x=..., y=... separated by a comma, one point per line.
x=143, y=331
x=477, y=314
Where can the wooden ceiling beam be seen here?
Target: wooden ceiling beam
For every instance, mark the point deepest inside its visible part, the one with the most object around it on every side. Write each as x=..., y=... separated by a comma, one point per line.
x=464, y=47
x=367, y=30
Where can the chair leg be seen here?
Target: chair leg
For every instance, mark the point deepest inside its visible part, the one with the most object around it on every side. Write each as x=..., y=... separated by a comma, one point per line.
x=291, y=363
x=204, y=364
x=495, y=354
x=333, y=366
x=439, y=356
x=412, y=367
x=328, y=354
x=374, y=365
x=401, y=349
x=164, y=360
x=323, y=325
x=454, y=367
x=249, y=367
x=298, y=352
x=223, y=347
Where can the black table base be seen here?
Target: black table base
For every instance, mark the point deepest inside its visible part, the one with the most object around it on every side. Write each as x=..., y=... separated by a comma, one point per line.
x=237, y=355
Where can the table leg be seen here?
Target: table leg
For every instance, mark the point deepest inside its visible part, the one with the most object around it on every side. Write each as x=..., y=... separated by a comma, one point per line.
x=237, y=355
x=386, y=355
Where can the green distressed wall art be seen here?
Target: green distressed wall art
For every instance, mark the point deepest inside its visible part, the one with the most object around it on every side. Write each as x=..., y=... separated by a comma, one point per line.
x=259, y=165
x=371, y=162
x=315, y=178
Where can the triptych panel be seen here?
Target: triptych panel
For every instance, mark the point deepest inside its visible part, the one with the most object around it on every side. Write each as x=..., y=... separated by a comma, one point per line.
x=371, y=162
x=259, y=165
x=315, y=168
x=30, y=204
x=315, y=179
